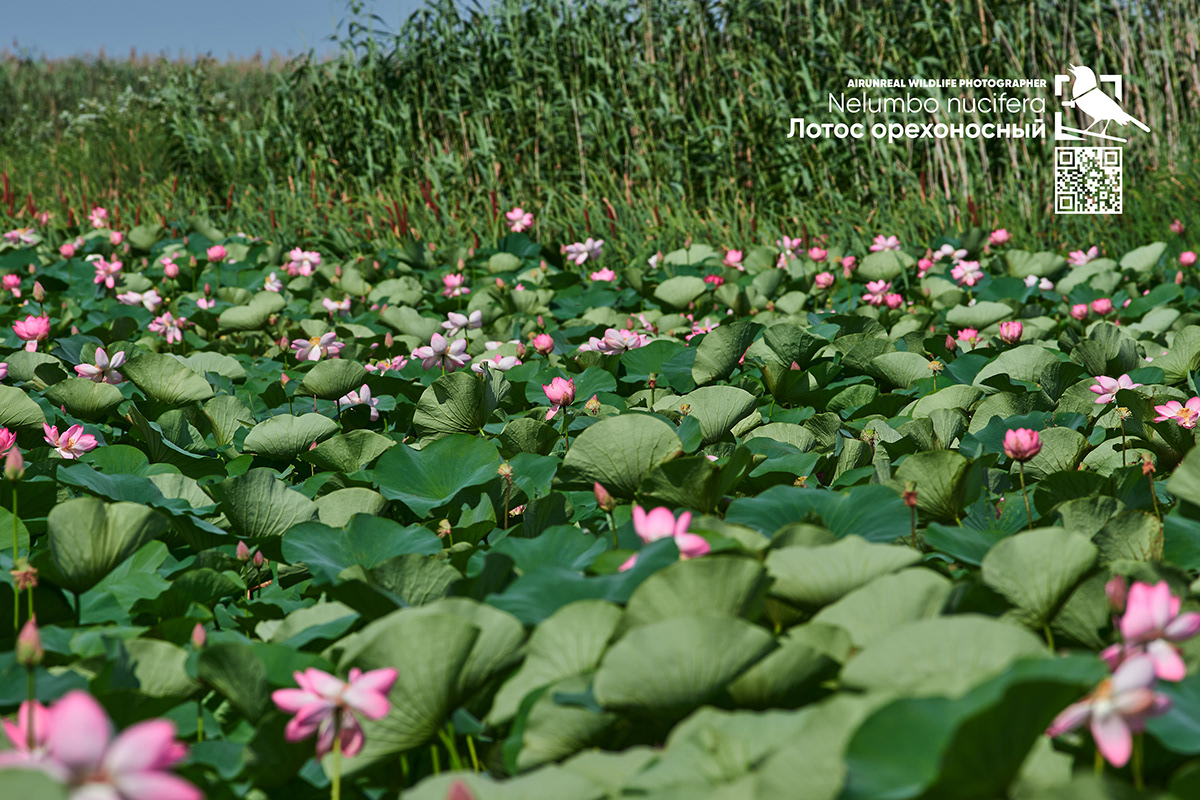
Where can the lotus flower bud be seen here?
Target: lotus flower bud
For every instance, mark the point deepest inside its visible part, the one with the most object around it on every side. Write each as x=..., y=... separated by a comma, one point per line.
x=910, y=494
x=1022, y=444
x=259, y=560
x=199, y=636
x=171, y=269
x=14, y=464
x=1117, y=591
x=283, y=379
x=543, y=343
x=243, y=552
x=603, y=498
x=593, y=406
x=388, y=340
x=39, y=293
x=1010, y=332
x=29, y=645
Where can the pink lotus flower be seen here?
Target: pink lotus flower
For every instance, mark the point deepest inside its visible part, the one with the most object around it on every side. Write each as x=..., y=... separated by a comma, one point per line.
x=560, y=393
x=169, y=326
x=615, y=342
x=661, y=523
x=272, y=283
x=80, y=750
x=969, y=335
x=1116, y=709
x=66, y=250
x=115, y=238
x=327, y=706
x=1150, y=625
x=1077, y=258
x=885, y=243
x=72, y=443
x=1080, y=311
x=1010, y=332
x=397, y=363
x=715, y=280
x=789, y=246
x=1107, y=388
x=216, y=253
x=817, y=254
x=496, y=362
x=302, y=262
x=823, y=280
x=149, y=300
x=98, y=217
x=848, y=263
x=18, y=736
x=1176, y=227
x=893, y=300
x=454, y=285
x=457, y=323
x=3, y=370
x=923, y=267
x=1043, y=284
x=170, y=269
x=7, y=440
x=107, y=272
x=104, y=371
x=999, y=236
x=519, y=220
x=876, y=290
x=1185, y=414
x=32, y=330
x=733, y=259
x=1102, y=306
x=361, y=397
x=336, y=306
x=967, y=273
x=704, y=326
x=440, y=353
x=543, y=343
x=582, y=251
x=21, y=236
x=1022, y=444
x=12, y=283
x=317, y=347
x=655, y=260
x=1187, y=258
x=605, y=274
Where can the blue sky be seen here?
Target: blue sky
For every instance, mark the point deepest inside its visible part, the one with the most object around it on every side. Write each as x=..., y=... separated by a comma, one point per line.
x=59, y=28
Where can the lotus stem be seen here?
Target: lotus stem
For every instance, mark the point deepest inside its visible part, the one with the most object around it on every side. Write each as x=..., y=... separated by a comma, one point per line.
x=471, y=750
x=437, y=761
x=1025, y=494
x=16, y=589
x=1139, y=781
x=200, y=719
x=335, y=785
x=1049, y=635
x=612, y=527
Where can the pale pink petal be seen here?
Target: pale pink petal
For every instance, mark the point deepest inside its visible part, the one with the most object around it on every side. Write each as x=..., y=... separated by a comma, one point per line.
x=1184, y=626
x=691, y=546
x=1136, y=672
x=352, y=736
x=155, y=786
x=1113, y=738
x=1168, y=664
x=307, y=720
x=681, y=524
x=628, y=563
x=145, y=746
x=323, y=684
x=1138, y=620
x=79, y=733
x=1070, y=718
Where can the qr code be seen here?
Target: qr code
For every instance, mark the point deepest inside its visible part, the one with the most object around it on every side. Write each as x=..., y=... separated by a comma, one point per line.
x=1087, y=180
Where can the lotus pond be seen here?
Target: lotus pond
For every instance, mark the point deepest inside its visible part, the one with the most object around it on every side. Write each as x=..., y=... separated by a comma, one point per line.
x=539, y=521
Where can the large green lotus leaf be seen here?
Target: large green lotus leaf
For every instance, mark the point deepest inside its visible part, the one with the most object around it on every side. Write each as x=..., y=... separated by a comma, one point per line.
x=497, y=648
x=670, y=667
x=257, y=504
x=713, y=586
x=813, y=577
x=403, y=291
x=1022, y=263
x=569, y=642
x=17, y=409
x=619, y=451
x=970, y=747
x=677, y=292
x=348, y=452
x=1184, y=483
x=873, y=512
x=1024, y=363
x=690, y=255
x=941, y=656
x=807, y=656
x=84, y=398
x=89, y=537
x=366, y=542
x=1036, y=570
x=883, y=265
x=428, y=652
x=338, y=507
x=1184, y=356
x=238, y=672
x=547, y=731
x=1129, y=536
x=610, y=769
x=459, y=402
x=1143, y=259
x=28, y=781
x=159, y=668
x=23, y=366
x=333, y=378
x=252, y=316
x=164, y=379
x=1062, y=449
x=787, y=432
x=901, y=369
x=942, y=481
x=718, y=409
x=690, y=482
x=978, y=316
x=283, y=437
x=1179, y=730
x=226, y=415
x=886, y=603
x=527, y=435
x=426, y=479
x=720, y=351
x=793, y=344
x=548, y=783
x=408, y=580
x=409, y=321
x=216, y=363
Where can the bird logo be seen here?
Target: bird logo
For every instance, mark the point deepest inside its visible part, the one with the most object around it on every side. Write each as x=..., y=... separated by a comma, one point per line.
x=1088, y=97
